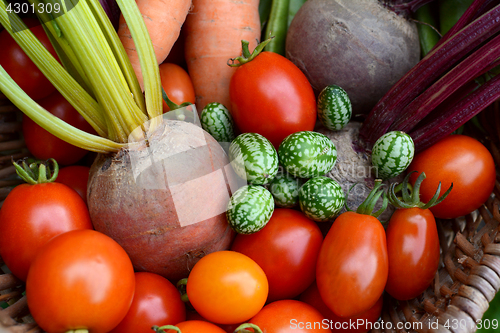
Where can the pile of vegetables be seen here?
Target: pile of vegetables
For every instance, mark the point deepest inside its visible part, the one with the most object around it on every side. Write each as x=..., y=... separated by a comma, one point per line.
x=214, y=200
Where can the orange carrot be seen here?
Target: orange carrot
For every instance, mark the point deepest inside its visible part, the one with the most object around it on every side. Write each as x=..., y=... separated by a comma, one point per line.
x=163, y=20
x=214, y=30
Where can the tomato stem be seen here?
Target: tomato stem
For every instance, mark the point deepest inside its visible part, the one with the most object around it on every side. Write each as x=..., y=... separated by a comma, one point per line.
x=37, y=172
x=246, y=55
x=367, y=207
x=181, y=286
x=243, y=328
x=166, y=327
x=410, y=200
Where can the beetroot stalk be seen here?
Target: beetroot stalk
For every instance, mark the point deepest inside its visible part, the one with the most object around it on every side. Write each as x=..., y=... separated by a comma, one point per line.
x=431, y=67
x=466, y=70
x=458, y=114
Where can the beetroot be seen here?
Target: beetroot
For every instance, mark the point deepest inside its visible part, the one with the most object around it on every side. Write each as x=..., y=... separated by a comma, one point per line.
x=164, y=199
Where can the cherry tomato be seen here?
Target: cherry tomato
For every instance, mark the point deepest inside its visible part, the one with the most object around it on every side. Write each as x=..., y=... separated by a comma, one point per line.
x=413, y=251
x=286, y=249
x=32, y=215
x=357, y=324
x=197, y=326
x=177, y=84
x=272, y=97
x=229, y=328
x=227, y=287
x=352, y=266
x=81, y=279
x=156, y=301
x=289, y=316
x=76, y=177
x=20, y=67
x=44, y=145
x=460, y=160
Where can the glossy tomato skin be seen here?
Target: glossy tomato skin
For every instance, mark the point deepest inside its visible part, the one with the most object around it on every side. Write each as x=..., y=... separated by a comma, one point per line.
x=32, y=215
x=44, y=145
x=177, y=84
x=286, y=249
x=76, y=177
x=356, y=324
x=413, y=250
x=227, y=287
x=352, y=267
x=156, y=302
x=271, y=96
x=460, y=160
x=197, y=326
x=80, y=279
x=20, y=67
x=288, y=316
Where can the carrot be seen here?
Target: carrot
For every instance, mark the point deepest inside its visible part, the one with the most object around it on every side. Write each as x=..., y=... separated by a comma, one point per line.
x=214, y=30
x=163, y=20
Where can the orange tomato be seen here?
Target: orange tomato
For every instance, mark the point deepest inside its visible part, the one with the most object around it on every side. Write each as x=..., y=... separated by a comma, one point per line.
x=227, y=287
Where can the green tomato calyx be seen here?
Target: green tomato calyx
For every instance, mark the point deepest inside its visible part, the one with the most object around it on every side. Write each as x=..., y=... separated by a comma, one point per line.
x=246, y=55
x=37, y=172
x=410, y=197
x=368, y=206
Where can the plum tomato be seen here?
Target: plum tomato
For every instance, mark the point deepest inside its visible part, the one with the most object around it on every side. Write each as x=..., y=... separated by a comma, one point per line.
x=44, y=145
x=227, y=287
x=20, y=67
x=32, y=215
x=290, y=316
x=156, y=301
x=352, y=267
x=76, y=177
x=271, y=96
x=357, y=324
x=413, y=250
x=460, y=160
x=177, y=84
x=81, y=279
x=286, y=249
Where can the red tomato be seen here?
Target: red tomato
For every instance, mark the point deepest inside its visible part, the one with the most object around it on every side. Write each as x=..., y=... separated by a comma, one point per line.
x=352, y=266
x=286, y=249
x=413, y=251
x=197, y=326
x=32, y=215
x=357, y=324
x=20, y=67
x=227, y=287
x=81, y=279
x=272, y=97
x=177, y=84
x=460, y=160
x=290, y=316
x=156, y=302
x=44, y=145
x=76, y=177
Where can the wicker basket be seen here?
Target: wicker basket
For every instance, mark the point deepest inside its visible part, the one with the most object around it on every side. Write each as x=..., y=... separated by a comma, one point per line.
x=467, y=281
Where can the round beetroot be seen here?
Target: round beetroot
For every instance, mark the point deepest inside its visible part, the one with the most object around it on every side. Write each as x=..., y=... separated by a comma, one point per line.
x=164, y=200
x=359, y=45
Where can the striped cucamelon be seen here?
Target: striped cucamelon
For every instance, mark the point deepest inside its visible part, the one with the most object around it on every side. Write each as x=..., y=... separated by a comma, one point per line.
x=392, y=153
x=321, y=198
x=285, y=190
x=253, y=158
x=218, y=122
x=249, y=209
x=307, y=154
x=334, y=107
